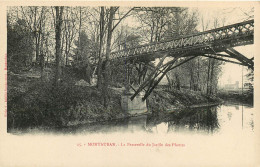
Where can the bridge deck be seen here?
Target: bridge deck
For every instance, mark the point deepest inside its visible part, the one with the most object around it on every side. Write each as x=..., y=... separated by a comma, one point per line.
x=216, y=39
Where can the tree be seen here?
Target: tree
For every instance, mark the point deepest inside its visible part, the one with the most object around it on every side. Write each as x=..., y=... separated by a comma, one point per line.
x=106, y=30
x=70, y=31
x=162, y=23
x=84, y=51
x=19, y=45
x=59, y=12
x=105, y=72
x=35, y=18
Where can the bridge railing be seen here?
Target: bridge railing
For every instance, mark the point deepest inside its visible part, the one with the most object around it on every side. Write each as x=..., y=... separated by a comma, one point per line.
x=242, y=29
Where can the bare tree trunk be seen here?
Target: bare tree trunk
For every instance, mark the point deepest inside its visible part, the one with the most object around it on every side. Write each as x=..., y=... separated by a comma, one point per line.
x=36, y=37
x=37, y=48
x=41, y=50
x=101, y=24
x=208, y=76
x=191, y=78
x=80, y=20
x=106, y=63
x=178, y=84
x=212, y=76
x=67, y=37
x=198, y=73
x=59, y=11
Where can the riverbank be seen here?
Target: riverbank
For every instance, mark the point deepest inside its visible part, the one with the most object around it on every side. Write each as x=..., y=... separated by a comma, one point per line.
x=35, y=103
x=162, y=101
x=247, y=97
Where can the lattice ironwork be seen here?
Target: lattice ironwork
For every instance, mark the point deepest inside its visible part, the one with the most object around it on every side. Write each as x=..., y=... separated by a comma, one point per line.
x=233, y=35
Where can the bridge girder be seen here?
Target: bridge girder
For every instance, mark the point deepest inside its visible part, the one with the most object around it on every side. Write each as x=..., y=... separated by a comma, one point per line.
x=208, y=44
x=219, y=38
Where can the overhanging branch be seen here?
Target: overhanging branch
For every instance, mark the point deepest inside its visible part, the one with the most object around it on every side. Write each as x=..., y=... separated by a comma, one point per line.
x=122, y=19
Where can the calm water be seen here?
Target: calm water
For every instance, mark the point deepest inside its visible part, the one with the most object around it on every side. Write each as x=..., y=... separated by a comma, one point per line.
x=222, y=119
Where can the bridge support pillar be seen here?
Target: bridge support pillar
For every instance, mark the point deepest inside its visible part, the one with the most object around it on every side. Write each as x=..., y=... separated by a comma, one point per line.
x=135, y=106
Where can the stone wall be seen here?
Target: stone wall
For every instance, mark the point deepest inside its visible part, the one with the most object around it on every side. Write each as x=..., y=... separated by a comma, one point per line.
x=135, y=106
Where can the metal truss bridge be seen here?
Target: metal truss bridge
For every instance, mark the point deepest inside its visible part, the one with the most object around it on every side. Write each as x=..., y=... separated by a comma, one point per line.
x=216, y=43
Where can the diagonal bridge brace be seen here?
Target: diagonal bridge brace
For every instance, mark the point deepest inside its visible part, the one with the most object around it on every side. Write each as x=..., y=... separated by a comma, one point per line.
x=145, y=83
x=164, y=72
x=153, y=83
x=156, y=72
x=240, y=57
x=152, y=67
x=222, y=59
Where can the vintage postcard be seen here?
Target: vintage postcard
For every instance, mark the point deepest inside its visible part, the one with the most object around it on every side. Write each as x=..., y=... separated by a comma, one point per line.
x=137, y=83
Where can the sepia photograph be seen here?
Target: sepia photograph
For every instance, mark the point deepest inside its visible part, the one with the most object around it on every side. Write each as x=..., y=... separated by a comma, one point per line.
x=137, y=77
x=104, y=69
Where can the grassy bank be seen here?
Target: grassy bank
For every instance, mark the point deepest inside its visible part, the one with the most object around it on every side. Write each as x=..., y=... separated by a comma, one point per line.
x=35, y=103
x=247, y=97
x=170, y=100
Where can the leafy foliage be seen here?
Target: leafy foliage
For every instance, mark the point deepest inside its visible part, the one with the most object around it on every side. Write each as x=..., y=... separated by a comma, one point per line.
x=20, y=42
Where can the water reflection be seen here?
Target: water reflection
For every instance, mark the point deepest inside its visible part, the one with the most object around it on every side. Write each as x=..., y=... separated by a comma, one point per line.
x=137, y=123
x=219, y=119
x=236, y=118
x=210, y=120
x=196, y=120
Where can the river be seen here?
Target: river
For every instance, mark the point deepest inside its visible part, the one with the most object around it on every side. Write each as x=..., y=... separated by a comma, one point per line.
x=223, y=119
